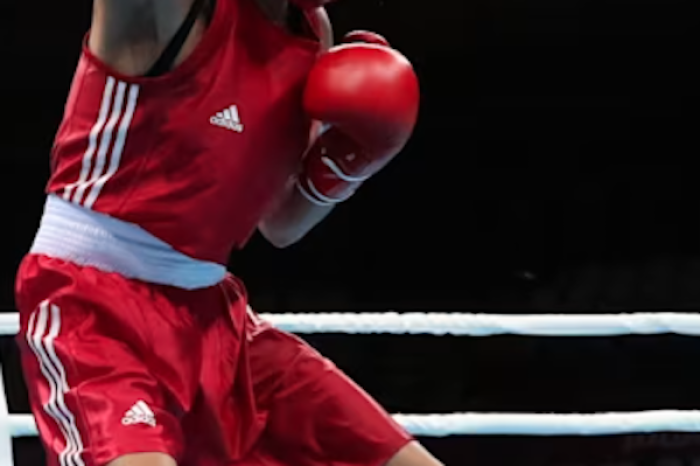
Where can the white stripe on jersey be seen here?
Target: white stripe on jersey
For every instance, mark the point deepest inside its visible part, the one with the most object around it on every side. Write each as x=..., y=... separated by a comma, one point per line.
x=105, y=143
x=118, y=148
x=94, y=134
x=101, y=152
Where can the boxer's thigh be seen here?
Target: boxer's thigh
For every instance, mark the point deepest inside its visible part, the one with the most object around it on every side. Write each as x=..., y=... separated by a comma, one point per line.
x=317, y=415
x=90, y=378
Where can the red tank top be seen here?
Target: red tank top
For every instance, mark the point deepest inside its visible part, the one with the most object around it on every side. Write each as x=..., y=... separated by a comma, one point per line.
x=195, y=157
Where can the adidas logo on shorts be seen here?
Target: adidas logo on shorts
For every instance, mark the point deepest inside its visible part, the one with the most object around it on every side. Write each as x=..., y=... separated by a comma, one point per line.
x=140, y=413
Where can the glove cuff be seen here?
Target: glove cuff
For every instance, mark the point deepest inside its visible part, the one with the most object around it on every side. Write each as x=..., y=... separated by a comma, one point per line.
x=308, y=189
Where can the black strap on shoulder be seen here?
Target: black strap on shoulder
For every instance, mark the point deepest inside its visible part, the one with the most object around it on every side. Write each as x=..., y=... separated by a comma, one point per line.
x=296, y=21
x=298, y=24
x=167, y=59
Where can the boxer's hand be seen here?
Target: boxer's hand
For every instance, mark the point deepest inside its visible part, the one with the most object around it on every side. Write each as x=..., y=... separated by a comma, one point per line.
x=368, y=94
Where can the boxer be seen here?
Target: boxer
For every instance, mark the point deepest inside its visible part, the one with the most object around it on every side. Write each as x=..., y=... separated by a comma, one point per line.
x=187, y=127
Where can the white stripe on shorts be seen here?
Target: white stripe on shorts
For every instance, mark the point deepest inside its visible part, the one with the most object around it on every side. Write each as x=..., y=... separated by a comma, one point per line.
x=44, y=327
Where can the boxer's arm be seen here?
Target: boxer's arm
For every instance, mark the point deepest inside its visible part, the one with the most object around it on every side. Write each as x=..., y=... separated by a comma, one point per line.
x=292, y=219
x=130, y=35
x=296, y=215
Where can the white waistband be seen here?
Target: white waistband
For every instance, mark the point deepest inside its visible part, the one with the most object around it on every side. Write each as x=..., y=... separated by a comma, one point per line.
x=88, y=238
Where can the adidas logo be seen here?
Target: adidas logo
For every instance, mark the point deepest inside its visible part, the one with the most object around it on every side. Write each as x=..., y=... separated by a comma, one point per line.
x=228, y=119
x=140, y=413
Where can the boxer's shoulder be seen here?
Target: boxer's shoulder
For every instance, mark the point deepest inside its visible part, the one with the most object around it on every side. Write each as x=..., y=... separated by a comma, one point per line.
x=131, y=35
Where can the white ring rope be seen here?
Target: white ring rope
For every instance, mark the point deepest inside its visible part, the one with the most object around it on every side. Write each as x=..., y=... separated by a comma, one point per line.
x=443, y=425
x=483, y=325
x=6, y=431
x=439, y=425
x=475, y=325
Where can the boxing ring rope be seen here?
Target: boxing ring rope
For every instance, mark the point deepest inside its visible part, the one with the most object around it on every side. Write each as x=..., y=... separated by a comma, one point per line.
x=474, y=325
x=6, y=429
x=444, y=425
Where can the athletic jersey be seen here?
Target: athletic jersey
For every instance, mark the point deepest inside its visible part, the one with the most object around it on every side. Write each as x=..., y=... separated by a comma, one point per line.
x=195, y=157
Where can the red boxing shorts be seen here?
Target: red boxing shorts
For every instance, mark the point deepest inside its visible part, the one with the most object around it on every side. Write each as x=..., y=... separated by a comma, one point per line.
x=117, y=366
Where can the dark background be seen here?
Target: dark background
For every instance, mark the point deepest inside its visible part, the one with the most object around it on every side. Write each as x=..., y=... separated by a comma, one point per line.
x=552, y=170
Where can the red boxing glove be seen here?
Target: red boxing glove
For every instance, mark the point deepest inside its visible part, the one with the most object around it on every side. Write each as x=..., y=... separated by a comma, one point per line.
x=367, y=37
x=369, y=95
